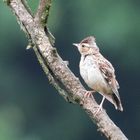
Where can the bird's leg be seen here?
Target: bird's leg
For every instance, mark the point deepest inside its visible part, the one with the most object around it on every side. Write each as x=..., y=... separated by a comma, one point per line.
x=100, y=106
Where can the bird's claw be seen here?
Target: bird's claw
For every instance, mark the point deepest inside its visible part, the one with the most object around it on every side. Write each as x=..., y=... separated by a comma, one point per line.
x=88, y=94
x=99, y=109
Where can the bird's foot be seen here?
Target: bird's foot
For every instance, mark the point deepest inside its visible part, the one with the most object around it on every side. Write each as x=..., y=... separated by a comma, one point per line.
x=100, y=108
x=89, y=93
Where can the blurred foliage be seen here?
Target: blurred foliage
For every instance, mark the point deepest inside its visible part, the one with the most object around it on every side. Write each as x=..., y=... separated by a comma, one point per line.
x=30, y=108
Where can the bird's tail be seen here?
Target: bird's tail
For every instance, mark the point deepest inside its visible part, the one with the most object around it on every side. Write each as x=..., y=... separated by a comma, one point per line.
x=117, y=102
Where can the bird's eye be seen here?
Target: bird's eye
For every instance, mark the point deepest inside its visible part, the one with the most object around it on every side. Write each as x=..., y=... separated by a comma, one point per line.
x=83, y=45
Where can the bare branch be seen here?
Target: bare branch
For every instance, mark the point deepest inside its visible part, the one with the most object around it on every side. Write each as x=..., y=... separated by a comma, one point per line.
x=53, y=81
x=27, y=6
x=41, y=17
x=43, y=12
x=59, y=73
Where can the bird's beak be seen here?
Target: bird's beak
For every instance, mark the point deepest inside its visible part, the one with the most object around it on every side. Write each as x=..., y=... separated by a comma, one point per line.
x=75, y=44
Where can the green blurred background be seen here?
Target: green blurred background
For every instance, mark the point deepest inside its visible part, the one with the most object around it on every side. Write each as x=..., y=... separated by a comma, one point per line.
x=30, y=108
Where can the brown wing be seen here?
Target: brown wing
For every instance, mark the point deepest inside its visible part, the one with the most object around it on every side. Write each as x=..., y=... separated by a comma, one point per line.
x=108, y=73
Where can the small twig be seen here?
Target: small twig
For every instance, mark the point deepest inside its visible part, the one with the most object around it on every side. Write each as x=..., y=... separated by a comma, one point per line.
x=43, y=12
x=41, y=18
x=27, y=6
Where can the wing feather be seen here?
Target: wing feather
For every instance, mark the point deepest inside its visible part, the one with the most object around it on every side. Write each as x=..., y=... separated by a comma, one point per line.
x=108, y=73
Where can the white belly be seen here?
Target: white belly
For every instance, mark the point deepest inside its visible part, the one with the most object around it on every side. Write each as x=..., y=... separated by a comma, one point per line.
x=92, y=75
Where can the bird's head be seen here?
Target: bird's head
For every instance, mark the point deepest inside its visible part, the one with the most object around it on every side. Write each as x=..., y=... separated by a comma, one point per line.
x=87, y=46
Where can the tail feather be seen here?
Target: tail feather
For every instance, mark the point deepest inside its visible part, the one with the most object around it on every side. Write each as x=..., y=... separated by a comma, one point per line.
x=117, y=102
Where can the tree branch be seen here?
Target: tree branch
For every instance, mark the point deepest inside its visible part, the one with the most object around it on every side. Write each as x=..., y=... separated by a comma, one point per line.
x=41, y=17
x=50, y=75
x=27, y=6
x=57, y=71
x=43, y=12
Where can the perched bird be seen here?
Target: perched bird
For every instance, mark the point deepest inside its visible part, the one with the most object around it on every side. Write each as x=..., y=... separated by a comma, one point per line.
x=98, y=73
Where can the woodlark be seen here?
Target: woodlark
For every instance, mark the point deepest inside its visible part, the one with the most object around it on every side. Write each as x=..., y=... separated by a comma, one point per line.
x=98, y=72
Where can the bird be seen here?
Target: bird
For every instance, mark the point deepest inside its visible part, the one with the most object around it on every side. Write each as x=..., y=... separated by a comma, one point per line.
x=98, y=73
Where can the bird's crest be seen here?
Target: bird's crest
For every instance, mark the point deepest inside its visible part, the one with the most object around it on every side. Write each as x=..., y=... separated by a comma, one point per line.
x=89, y=40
